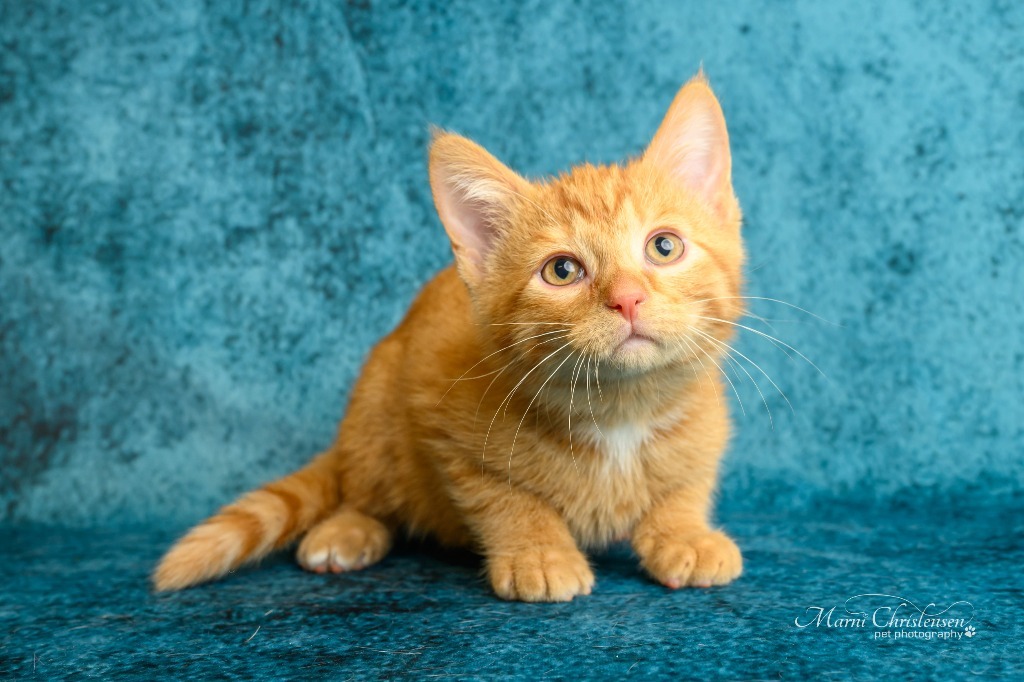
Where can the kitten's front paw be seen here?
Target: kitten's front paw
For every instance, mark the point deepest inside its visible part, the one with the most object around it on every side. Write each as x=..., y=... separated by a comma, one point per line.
x=540, y=574
x=700, y=560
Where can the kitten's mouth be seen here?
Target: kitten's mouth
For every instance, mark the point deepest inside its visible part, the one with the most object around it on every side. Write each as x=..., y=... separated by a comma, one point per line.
x=635, y=341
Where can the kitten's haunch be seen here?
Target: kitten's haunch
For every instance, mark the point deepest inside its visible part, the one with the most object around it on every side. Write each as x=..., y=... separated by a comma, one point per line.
x=558, y=389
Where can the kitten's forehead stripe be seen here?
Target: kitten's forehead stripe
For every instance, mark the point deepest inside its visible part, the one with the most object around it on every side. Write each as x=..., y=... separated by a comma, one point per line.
x=574, y=202
x=592, y=192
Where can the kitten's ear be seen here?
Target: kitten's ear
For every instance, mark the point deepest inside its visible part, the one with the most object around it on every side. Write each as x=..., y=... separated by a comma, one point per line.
x=474, y=194
x=692, y=145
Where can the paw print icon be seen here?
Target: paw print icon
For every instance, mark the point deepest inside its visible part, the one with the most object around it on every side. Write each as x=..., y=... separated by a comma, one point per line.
x=969, y=631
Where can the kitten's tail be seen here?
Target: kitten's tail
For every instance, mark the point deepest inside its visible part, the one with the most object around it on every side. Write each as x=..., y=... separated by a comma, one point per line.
x=250, y=528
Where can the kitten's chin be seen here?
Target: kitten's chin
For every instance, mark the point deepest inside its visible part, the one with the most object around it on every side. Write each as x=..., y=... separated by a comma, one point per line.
x=636, y=354
x=636, y=343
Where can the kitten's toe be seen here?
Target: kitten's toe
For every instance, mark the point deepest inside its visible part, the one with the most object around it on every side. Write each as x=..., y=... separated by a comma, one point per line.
x=701, y=560
x=347, y=541
x=540, y=574
x=719, y=561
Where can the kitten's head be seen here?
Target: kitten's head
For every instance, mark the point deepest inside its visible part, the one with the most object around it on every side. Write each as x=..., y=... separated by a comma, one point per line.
x=630, y=264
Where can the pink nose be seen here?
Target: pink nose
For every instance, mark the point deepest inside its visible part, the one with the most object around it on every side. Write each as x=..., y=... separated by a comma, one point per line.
x=627, y=302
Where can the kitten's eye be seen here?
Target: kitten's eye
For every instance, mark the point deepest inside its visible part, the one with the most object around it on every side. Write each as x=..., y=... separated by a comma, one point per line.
x=562, y=270
x=664, y=248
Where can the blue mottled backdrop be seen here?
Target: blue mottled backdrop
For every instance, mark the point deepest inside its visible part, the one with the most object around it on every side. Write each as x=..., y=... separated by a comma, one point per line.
x=210, y=211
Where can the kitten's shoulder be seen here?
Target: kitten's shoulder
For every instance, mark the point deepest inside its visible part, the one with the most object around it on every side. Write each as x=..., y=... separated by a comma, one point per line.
x=443, y=296
x=440, y=315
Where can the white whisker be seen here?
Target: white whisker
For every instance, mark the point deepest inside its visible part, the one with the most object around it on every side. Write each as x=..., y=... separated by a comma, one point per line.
x=723, y=373
x=714, y=386
x=473, y=378
x=589, y=403
x=515, y=436
x=514, y=389
x=763, y=320
x=772, y=300
x=506, y=324
x=767, y=336
x=463, y=377
x=735, y=364
x=487, y=390
x=572, y=394
x=758, y=367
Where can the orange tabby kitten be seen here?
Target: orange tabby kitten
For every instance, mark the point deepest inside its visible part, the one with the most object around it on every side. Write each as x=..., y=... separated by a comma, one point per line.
x=555, y=391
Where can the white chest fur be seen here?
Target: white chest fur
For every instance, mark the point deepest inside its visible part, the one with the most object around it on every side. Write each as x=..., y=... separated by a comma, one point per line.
x=619, y=444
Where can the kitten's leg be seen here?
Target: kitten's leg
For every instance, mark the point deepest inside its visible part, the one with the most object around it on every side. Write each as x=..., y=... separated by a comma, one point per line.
x=346, y=541
x=529, y=552
x=678, y=547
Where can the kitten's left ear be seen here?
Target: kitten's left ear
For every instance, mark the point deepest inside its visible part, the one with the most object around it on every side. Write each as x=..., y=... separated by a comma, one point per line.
x=474, y=194
x=692, y=146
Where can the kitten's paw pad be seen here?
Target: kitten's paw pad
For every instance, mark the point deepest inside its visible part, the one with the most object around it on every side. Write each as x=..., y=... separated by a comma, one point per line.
x=541, y=574
x=347, y=541
x=701, y=560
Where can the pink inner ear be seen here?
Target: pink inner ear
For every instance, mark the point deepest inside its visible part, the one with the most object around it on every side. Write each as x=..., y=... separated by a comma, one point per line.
x=692, y=144
x=469, y=228
x=700, y=155
x=474, y=194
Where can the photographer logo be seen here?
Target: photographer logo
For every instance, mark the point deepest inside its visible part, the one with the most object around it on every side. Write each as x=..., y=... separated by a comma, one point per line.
x=887, y=616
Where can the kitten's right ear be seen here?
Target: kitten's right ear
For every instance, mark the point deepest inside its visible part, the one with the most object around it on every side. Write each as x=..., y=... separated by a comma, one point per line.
x=474, y=194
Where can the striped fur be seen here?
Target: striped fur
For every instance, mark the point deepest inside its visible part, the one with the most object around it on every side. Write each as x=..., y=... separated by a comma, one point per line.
x=245, y=531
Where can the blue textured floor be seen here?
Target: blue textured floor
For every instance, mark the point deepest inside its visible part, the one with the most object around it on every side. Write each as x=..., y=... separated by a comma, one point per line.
x=78, y=602
x=209, y=212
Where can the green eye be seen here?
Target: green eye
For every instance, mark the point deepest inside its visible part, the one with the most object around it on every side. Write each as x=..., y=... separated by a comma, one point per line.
x=562, y=270
x=664, y=248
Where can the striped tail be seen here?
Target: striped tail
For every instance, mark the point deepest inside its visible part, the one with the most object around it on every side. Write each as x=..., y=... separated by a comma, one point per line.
x=247, y=530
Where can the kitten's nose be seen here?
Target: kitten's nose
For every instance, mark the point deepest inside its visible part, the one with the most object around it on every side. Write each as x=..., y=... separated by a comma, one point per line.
x=627, y=301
